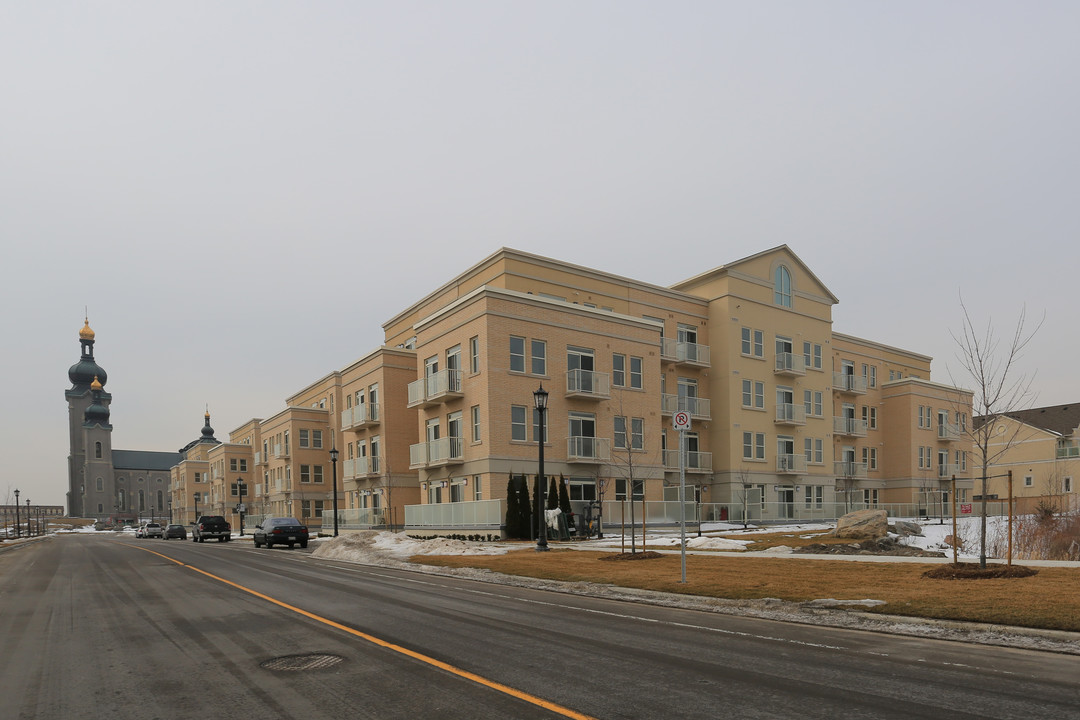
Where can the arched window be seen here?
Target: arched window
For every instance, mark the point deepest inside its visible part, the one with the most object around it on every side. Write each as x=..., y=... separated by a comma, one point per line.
x=142, y=500
x=122, y=500
x=160, y=500
x=97, y=450
x=782, y=286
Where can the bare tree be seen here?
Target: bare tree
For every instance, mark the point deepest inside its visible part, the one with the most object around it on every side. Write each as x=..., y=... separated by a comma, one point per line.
x=626, y=460
x=997, y=390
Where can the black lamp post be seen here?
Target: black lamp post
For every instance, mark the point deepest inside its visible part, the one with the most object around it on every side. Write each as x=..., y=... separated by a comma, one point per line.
x=196, y=507
x=540, y=398
x=28, y=533
x=240, y=504
x=18, y=528
x=333, y=464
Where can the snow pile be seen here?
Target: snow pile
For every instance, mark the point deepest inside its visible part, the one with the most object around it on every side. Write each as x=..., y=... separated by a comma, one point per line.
x=374, y=546
x=715, y=543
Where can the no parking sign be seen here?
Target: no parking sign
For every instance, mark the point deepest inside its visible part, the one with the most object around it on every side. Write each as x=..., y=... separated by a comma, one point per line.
x=681, y=420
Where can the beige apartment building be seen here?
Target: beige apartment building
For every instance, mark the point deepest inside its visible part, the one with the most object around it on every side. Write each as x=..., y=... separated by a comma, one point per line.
x=788, y=418
x=1041, y=447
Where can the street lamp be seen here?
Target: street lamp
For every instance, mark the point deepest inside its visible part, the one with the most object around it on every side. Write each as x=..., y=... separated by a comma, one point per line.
x=18, y=528
x=240, y=505
x=28, y=533
x=333, y=464
x=540, y=398
x=196, y=507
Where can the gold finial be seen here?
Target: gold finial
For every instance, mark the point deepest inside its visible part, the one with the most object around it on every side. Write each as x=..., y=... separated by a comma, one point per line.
x=96, y=385
x=86, y=333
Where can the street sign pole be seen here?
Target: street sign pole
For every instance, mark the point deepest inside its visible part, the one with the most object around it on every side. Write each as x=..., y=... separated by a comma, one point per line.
x=681, y=422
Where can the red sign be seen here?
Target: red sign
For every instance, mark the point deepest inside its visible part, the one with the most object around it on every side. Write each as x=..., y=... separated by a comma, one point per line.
x=965, y=508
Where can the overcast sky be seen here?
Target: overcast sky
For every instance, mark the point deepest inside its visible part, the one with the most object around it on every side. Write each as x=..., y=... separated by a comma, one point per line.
x=241, y=193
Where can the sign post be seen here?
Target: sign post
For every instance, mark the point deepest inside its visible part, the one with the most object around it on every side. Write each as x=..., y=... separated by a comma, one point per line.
x=681, y=422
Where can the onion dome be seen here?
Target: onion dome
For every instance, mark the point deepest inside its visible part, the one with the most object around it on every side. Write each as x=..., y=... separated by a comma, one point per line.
x=96, y=413
x=207, y=431
x=86, y=333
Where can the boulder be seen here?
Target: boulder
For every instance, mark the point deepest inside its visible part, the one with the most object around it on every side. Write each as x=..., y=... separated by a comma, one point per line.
x=952, y=541
x=905, y=529
x=862, y=525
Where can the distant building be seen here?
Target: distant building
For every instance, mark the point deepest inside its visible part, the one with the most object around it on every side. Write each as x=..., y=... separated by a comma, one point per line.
x=103, y=482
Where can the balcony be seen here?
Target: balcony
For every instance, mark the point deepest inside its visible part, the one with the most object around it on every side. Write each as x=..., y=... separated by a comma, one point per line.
x=947, y=470
x=360, y=417
x=260, y=460
x=699, y=408
x=435, y=389
x=437, y=453
x=362, y=467
x=851, y=427
x=790, y=464
x=849, y=469
x=684, y=353
x=281, y=451
x=948, y=432
x=790, y=364
x=588, y=449
x=1068, y=449
x=588, y=385
x=790, y=414
x=695, y=461
x=848, y=384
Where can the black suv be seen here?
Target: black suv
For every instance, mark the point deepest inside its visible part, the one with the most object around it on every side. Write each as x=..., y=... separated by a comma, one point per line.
x=280, y=531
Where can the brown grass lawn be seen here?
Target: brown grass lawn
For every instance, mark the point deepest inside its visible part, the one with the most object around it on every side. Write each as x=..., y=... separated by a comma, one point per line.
x=1050, y=599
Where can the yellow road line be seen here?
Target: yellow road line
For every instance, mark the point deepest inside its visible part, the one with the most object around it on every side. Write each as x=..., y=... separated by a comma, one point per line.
x=513, y=692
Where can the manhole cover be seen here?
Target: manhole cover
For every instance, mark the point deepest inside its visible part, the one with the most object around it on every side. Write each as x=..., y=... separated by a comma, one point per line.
x=299, y=663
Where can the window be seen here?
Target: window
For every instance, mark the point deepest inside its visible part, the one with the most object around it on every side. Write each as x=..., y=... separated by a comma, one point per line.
x=620, y=432
x=97, y=450
x=872, y=464
x=536, y=426
x=517, y=354
x=582, y=489
x=1028, y=481
x=812, y=355
x=305, y=438
x=782, y=287
x=243, y=461
x=812, y=402
x=636, y=374
x=477, y=495
x=233, y=464
x=814, y=450
x=815, y=496
x=305, y=473
x=753, y=446
x=873, y=419
x=1067, y=485
x=620, y=489
x=873, y=376
x=100, y=486
x=475, y=423
x=474, y=354
x=753, y=394
x=637, y=433
x=753, y=342
x=316, y=439
x=618, y=370
x=870, y=497
x=539, y=357
x=517, y=422
x=375, y=454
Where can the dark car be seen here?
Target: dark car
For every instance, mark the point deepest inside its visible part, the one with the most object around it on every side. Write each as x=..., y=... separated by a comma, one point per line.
x=280, y=531
x=175, y=531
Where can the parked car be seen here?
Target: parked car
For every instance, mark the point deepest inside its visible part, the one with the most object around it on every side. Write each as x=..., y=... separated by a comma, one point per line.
x=139, y=531
x=175, y=531
x=151, y=530
x=280, y=531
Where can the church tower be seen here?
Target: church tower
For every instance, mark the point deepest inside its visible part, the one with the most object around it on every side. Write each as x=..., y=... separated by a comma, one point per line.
x=90, y=470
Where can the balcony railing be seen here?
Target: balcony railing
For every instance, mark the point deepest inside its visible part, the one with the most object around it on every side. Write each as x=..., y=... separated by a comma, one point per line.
x=849, y=469
x=360, y=467
x=851, y=384
x=790, y=414
x=588, y=449
x=444, y=451
x=790, y=463
x=948, y=432
x=281, y=451
x=1068, y=450
x=948, y=470
x=355, y=519
x=469, y=514
x=260, y=460
x=849, y=426
x=360, y=417
x=671, y=350
x=435, y=388
x=588, y=384
x=695, y=461
x=790, y=364
x=696, y=406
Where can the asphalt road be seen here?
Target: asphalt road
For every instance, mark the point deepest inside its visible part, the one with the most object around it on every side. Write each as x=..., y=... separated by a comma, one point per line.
x=114, y=627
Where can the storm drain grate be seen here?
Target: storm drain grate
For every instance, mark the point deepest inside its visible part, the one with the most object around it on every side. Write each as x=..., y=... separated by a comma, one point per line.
x=300, y=663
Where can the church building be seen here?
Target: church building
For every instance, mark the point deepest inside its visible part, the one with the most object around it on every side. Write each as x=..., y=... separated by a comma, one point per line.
x=103, y=483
